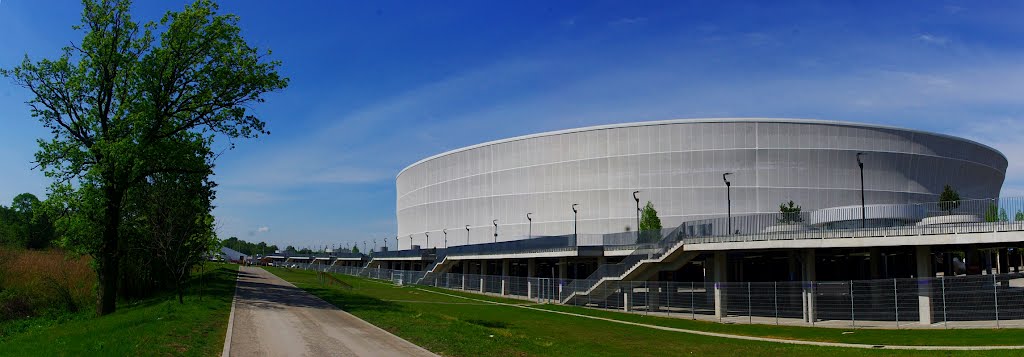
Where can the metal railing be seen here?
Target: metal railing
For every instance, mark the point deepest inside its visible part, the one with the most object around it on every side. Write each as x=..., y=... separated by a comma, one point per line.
x=966, y=301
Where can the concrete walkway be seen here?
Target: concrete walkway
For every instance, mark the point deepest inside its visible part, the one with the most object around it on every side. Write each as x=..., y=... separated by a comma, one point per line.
x=271, y=317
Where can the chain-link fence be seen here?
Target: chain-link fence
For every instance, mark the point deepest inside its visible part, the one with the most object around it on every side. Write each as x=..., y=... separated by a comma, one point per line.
x=972, y=301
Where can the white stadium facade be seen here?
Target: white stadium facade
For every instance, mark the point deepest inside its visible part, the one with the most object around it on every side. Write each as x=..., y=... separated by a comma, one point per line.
x=678, y=165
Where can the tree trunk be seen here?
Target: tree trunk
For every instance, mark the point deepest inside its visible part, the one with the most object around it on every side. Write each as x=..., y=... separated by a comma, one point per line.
x=108, y=258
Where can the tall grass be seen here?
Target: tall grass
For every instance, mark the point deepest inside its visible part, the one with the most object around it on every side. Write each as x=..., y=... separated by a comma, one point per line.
x=36, y=282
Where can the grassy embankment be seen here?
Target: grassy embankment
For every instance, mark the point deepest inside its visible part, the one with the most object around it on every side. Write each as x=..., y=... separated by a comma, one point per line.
x=455, y=326
x=156, y=326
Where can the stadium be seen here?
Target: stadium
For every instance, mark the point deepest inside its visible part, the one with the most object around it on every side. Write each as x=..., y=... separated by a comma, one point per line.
x=678, y=165
x=892, y=226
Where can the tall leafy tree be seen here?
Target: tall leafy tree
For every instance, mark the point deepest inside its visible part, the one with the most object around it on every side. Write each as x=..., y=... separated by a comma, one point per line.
x=130, y=102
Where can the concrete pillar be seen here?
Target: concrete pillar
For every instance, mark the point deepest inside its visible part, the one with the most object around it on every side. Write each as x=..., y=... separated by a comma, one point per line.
x=874, y=260
x=719, y=272
x=791, y=259
x=531, y=272
x=988, y=262
x=810, y=276
x=1003, y=259
x=627, y=305
x=947, y=265
x=923, y=255
x=973, y=262
x=562, y=268
x=483, y=273
x=504, y=276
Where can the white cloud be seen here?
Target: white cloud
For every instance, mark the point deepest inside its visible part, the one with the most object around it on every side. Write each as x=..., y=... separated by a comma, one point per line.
x=263, y=229
x=932, y=39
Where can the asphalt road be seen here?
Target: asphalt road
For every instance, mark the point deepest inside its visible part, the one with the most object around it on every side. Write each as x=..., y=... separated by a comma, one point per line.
x=274, y=318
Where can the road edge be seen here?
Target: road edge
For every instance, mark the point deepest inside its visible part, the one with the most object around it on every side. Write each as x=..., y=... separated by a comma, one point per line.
x=231, y=318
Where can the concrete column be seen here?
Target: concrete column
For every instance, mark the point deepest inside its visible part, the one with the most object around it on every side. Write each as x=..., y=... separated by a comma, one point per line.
x=1003, y=259
x=923, y=255
x=947, y=265
x=988, y=262
x=483, y=273
x=562, y=268
x=973, y=262
x=874, y=260
x=504, y=276
x=719, y=272
x=791, y=259
x=627, y=305
x=810, y=275
x=531, y=272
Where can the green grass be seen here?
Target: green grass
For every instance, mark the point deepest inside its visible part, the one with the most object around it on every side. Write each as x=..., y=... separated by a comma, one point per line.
x=961, y=337
x=458, y=327
x=158, y=326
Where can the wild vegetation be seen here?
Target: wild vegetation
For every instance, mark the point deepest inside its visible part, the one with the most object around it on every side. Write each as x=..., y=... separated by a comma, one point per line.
x=43, y=283
x=156, y=326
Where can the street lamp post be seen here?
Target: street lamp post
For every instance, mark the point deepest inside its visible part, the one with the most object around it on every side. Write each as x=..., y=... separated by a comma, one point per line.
x=374, y=245
x=728, y=202
x=427, y=244
x=364, y=245
x=575, y=230
x=410, y=242
x=863, y=211
x=467, y=234
x=495, y=230
x=445, y=231
x=529, y=235
x=637, y=199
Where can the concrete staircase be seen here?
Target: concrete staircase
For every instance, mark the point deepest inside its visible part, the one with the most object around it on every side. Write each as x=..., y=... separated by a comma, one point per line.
x=440, y=266
x=640, y=265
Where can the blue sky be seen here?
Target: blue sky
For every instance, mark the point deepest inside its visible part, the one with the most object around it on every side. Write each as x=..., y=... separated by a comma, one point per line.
x=378, y=85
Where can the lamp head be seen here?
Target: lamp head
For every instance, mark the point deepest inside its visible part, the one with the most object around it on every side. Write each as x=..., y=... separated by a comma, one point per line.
x=574, y=207
x=528, y=217
x=724, y=178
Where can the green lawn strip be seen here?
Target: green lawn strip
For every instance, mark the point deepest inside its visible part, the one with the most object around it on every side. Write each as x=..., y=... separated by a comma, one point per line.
x=960, y=337
x=458, y=327
x=158, y=326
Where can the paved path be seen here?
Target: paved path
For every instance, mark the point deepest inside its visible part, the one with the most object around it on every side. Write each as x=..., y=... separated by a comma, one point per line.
x=274, y=318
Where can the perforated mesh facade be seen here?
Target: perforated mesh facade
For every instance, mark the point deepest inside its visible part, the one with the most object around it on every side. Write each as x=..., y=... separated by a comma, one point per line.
x=678, y=166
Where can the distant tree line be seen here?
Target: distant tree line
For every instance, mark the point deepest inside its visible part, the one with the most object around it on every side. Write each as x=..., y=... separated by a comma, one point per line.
x=250, y=249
